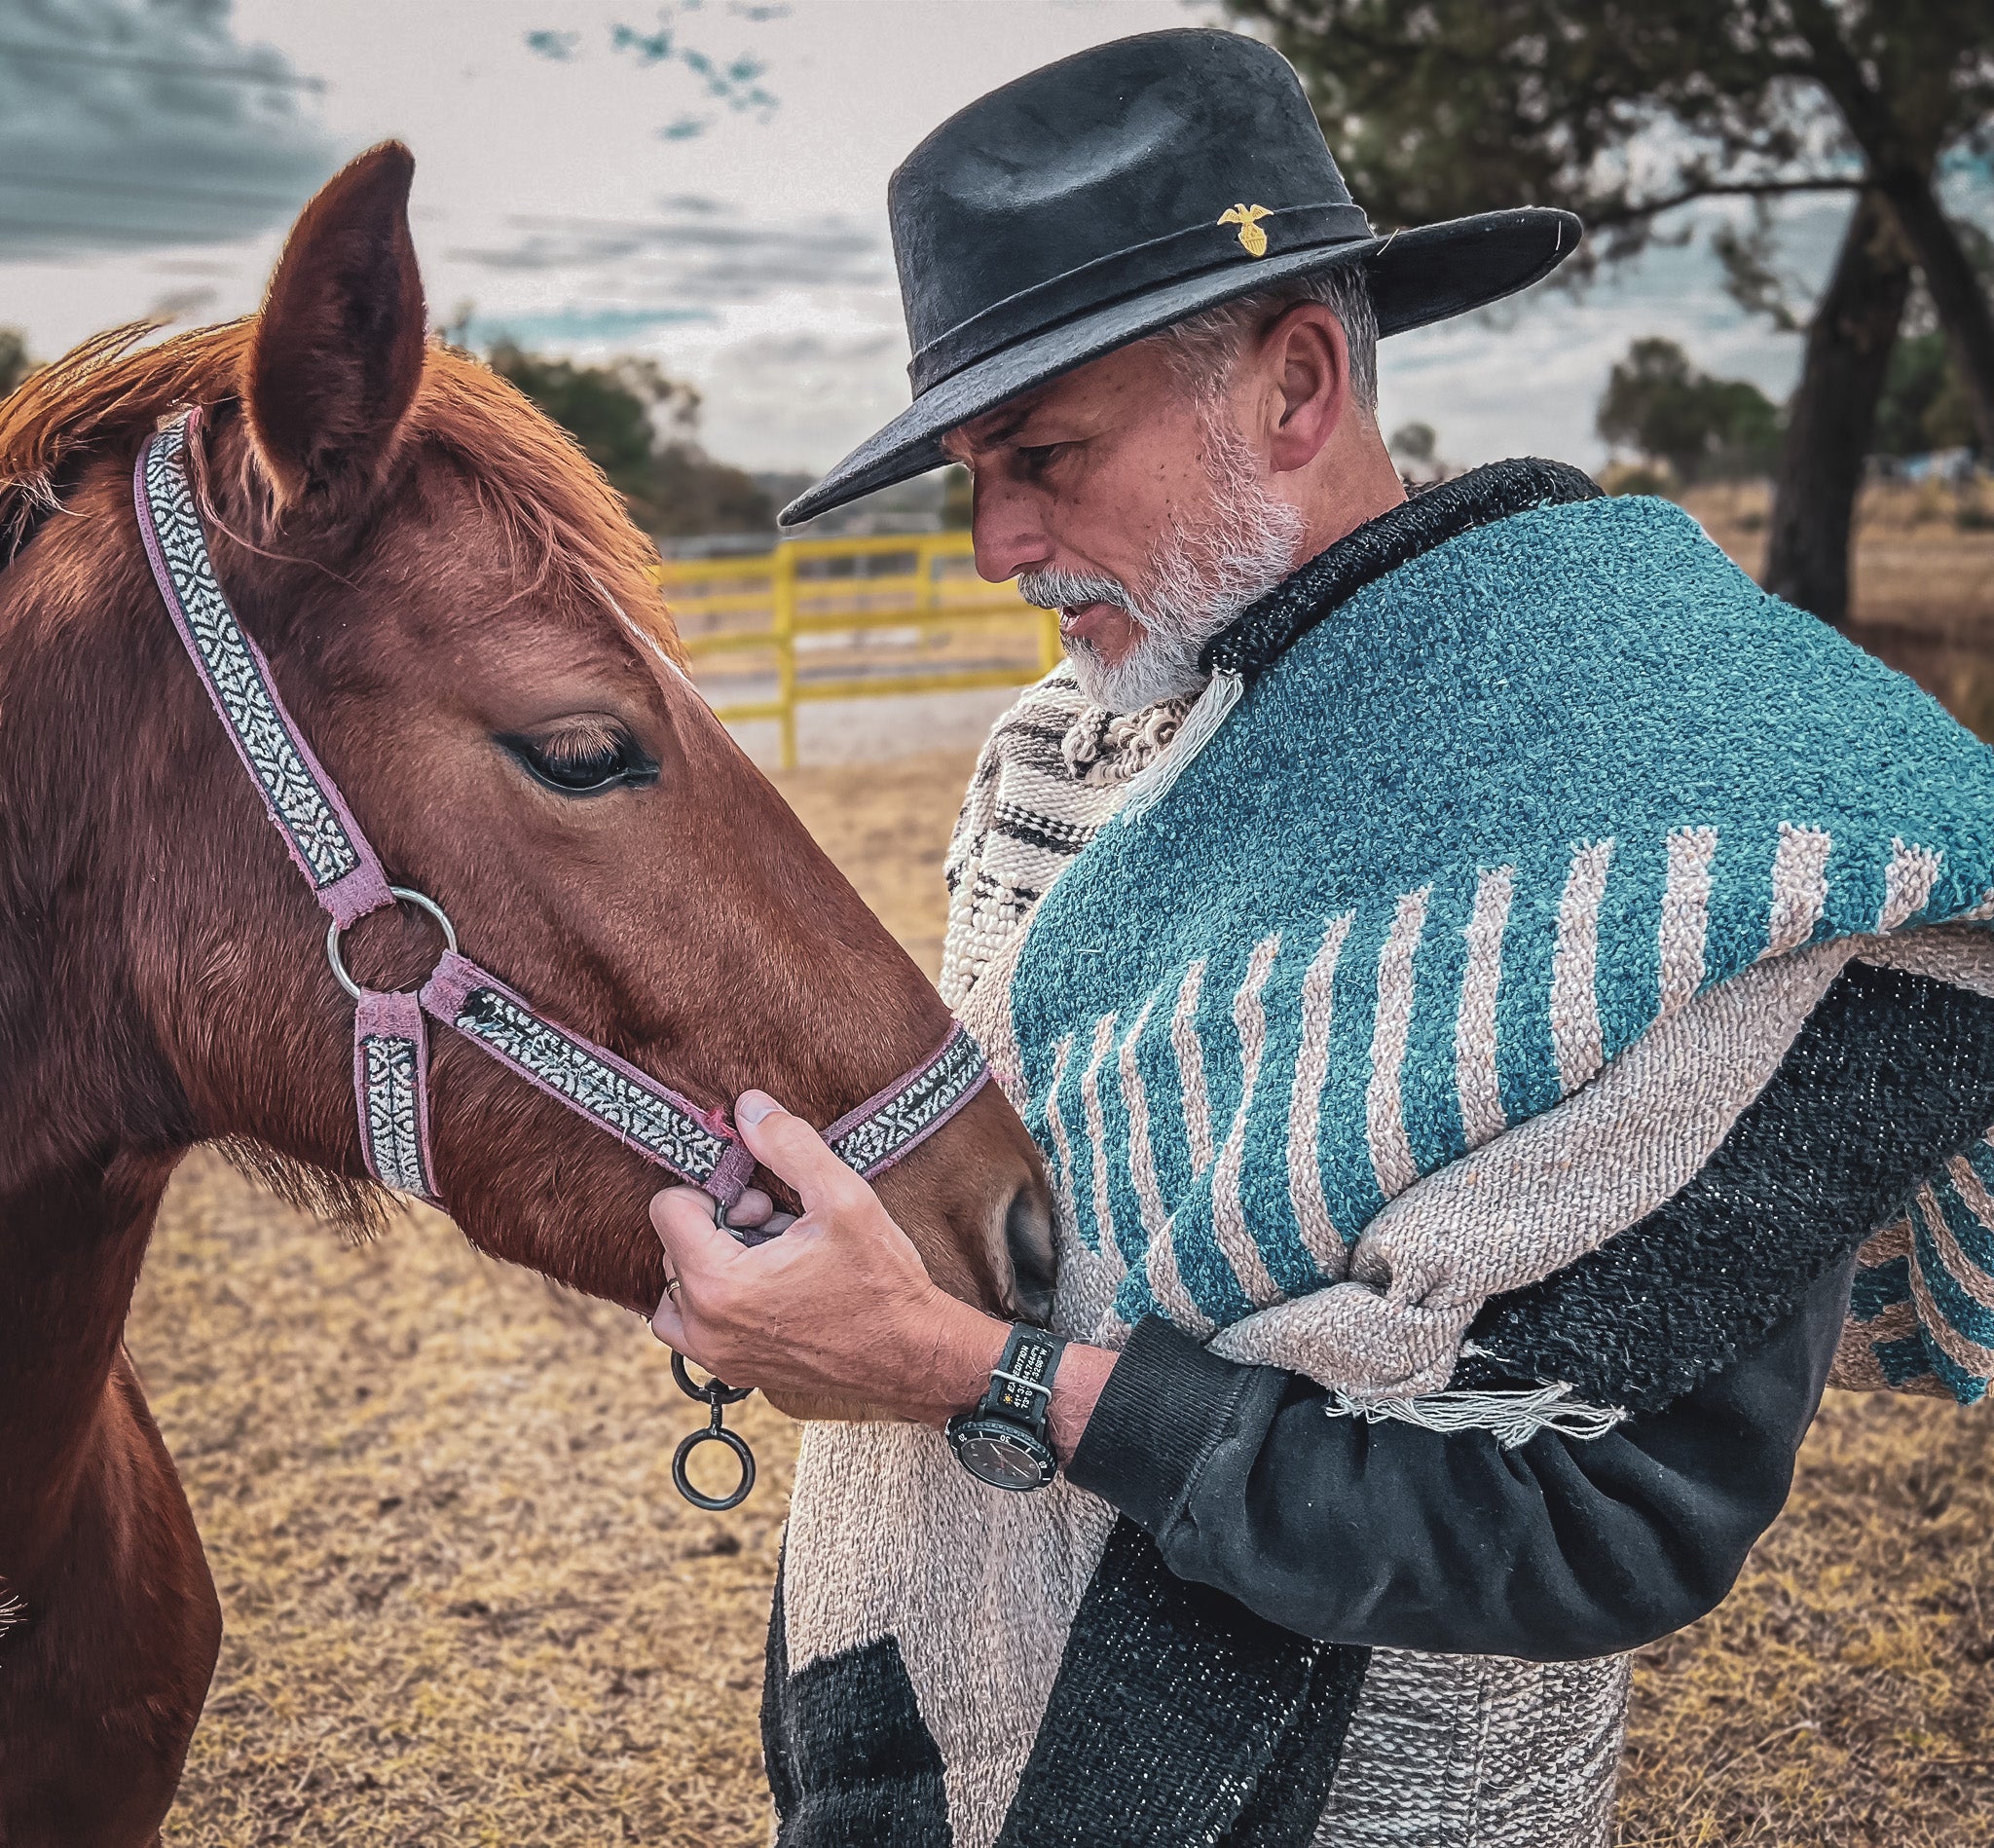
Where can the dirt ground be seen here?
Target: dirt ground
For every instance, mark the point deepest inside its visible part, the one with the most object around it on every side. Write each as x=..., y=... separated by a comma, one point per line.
x=464, y=1605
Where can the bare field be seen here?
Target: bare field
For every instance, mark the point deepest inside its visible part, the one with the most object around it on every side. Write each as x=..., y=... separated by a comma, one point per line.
x=465, y=1605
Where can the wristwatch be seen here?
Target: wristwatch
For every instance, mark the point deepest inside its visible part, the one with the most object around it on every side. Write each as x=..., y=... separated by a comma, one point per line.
x=1003, y=1440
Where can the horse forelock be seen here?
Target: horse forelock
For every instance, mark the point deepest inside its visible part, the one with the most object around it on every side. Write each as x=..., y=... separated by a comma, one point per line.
x=561, y=519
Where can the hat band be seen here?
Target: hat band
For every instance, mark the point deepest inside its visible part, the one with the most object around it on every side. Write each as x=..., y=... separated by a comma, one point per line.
x=1176, y=258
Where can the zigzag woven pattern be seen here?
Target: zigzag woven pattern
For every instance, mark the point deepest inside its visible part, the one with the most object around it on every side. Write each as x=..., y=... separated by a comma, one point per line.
x=1924, y=1293
x=940, y=1088
x=1532, y=792
x=236, y=675
x=574, y=1073
x=393, y=1137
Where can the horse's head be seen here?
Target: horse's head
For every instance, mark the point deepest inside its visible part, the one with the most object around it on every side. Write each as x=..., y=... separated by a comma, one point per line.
x=459, y=614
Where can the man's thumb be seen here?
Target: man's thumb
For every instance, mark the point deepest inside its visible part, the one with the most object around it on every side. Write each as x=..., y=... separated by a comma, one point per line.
x=790, y=1147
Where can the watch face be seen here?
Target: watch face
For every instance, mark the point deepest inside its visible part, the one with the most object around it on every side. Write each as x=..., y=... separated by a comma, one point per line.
x=1006, y=1459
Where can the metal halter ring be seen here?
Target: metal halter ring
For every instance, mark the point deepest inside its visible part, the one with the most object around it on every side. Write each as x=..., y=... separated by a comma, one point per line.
x=335, y=931
x=716, y=1394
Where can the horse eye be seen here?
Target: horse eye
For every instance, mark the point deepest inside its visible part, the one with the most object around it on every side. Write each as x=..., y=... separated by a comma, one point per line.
x=585, y=760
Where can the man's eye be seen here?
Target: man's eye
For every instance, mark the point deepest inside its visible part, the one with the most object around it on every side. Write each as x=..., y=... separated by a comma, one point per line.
x=584, y=762
x=1037, y=458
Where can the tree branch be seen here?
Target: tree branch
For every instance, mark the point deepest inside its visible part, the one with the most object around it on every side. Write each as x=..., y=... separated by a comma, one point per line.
x=1635, y=211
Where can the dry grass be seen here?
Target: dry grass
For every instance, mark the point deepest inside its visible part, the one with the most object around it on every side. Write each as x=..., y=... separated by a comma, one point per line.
x=464, y=1605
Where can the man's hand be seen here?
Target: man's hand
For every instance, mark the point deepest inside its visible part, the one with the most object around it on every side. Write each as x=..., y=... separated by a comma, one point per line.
x=835, y=1318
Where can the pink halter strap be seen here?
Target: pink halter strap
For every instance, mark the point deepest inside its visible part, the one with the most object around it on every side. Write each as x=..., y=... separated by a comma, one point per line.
x=391, y=1041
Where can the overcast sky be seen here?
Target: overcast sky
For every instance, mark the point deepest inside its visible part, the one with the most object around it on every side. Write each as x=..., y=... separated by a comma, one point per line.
x=704, y=184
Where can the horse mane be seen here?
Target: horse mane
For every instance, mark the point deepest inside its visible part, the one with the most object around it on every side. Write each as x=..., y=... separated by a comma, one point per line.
x=563, y=518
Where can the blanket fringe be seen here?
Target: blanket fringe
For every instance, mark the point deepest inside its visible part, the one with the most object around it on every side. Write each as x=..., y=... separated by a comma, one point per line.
x=1212, y=708
x=1513, y=1418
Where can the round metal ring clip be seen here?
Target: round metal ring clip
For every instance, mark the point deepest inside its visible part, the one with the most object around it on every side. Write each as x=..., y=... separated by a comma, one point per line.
x=713, y=1434
x=715, y=1395
x=420, y=901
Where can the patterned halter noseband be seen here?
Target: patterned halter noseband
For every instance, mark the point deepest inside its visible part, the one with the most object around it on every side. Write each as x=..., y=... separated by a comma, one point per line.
x=391, y=1041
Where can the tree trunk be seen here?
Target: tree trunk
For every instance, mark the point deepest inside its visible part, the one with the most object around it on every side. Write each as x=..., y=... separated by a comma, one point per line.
x=1961, y=303
x=1833, y=414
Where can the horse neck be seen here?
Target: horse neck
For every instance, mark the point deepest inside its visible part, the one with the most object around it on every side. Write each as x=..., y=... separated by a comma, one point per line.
x=72, y=1245
x=91, y=1116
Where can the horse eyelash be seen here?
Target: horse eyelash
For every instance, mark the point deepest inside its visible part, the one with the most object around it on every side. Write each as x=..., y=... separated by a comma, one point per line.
x=577, y=744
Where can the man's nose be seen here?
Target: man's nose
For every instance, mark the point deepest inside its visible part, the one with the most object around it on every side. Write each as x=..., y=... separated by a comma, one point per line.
x=1009, y=538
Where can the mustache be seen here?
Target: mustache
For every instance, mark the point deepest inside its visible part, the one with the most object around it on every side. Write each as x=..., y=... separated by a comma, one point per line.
x=1069, y=590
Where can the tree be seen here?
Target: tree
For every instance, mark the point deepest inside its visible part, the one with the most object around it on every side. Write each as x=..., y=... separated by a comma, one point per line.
x=639, y=428
x=1623, y=110
x=1415, y=443
x=15, y=364
x=1704, y=429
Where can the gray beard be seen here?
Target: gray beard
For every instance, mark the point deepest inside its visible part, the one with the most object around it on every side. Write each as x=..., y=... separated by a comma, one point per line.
x=1203, y=577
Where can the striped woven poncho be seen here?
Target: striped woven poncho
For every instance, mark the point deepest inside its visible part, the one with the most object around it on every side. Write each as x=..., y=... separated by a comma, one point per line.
x=1513, y=809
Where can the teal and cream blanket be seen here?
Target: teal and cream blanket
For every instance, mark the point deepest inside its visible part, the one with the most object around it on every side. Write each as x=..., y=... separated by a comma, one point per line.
x=1513, y=809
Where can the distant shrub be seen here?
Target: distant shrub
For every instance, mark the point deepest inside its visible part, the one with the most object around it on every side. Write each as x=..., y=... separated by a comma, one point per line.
x=1658, y=404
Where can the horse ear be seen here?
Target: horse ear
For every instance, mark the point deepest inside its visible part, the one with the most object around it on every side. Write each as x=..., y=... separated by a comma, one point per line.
x=338, y=351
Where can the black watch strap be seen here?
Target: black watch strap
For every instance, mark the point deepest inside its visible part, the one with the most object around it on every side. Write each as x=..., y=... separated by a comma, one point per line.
x=1021, y=1383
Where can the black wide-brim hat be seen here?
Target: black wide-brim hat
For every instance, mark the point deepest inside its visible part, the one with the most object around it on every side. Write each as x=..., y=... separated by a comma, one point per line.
x=1124, y=189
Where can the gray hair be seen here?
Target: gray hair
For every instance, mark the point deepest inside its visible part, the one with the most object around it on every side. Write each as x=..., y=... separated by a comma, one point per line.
x=1202, y=348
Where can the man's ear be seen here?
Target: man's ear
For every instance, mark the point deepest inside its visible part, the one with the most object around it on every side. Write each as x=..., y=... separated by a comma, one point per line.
x=338, y=351
x=1312, y=361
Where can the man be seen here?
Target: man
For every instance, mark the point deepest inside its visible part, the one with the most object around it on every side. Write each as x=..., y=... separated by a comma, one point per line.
x=1457, y=958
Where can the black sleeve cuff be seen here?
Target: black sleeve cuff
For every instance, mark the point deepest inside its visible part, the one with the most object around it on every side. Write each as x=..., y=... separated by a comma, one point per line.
x=1166, y=1404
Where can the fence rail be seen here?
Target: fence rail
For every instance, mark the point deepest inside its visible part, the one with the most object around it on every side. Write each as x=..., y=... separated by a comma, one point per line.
x=852, y=619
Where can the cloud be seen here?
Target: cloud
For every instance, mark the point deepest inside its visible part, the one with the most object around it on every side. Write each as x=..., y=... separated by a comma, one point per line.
x=735, y=81
x=684, y=127
x=127, y=125
x=563, y=326
x=810, y=349
x=696, y=250
x=182, y=305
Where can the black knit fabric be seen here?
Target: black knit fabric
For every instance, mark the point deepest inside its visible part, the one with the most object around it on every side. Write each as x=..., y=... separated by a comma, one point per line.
x=850, y=1762
x=1163, y=1406
x=1255, y=638
x=1893, y=1074
x=1180, y=1717
x=1394, y=1537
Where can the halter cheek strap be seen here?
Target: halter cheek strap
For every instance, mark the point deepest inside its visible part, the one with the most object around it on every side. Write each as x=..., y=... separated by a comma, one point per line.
x=391, y=1040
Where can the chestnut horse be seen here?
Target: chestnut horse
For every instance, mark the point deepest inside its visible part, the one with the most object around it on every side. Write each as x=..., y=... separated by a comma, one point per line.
x=458, y=612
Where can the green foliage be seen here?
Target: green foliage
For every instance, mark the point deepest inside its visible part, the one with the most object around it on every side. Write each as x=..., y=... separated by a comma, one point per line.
x=638, y=426
x=1924, y=403
x=14, y=363
x=1702, y=428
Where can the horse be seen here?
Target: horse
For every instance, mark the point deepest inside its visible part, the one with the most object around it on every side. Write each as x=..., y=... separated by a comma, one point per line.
x=458, y=610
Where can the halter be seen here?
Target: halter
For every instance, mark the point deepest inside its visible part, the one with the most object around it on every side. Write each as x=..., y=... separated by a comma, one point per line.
x=391, y=1038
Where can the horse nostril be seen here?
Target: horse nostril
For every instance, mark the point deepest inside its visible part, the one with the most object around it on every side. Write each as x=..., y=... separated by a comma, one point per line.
x=1034, y=1266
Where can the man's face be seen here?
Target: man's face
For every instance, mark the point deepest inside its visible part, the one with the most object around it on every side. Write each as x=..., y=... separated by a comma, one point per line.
x=1118, y=497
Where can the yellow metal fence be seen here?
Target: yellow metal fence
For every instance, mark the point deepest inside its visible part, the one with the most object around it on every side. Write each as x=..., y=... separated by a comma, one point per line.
x=851, y=618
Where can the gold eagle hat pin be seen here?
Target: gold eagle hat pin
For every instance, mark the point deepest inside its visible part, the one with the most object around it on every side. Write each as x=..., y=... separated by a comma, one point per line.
x=1247, y=217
